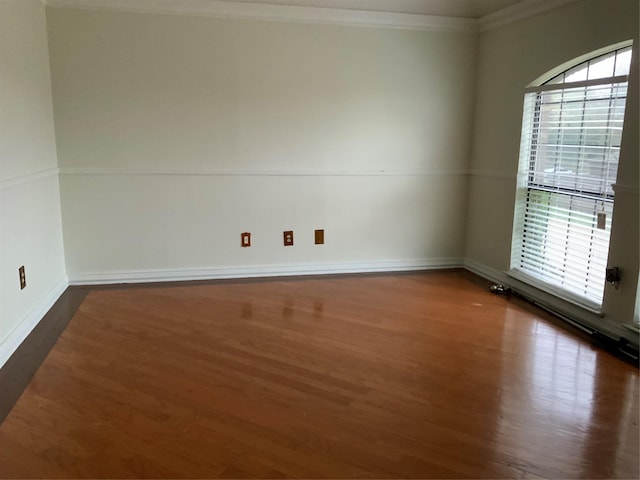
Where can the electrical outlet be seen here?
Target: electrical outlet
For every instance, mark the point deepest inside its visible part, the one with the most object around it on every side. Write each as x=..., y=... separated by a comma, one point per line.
x=23, y=278
x=288, y=238
x=319, y=237
x=245, y=239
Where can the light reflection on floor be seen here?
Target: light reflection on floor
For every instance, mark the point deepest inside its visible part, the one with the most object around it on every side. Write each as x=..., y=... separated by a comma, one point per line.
x=561, y=398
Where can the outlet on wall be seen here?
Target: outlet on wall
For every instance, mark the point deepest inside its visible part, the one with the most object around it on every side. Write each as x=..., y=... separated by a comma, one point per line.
x=23, y=278
x=288, y=238
x=245, y=239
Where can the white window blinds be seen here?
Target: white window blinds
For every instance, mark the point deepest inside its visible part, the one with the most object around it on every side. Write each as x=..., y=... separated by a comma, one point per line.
x=570, y=146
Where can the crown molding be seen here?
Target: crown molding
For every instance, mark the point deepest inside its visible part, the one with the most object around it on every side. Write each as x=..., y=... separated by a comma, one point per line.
x=331, y=16
x=519, y=11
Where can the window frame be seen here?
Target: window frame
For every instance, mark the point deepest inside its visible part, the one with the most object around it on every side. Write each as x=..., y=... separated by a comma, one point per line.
x=528, y=156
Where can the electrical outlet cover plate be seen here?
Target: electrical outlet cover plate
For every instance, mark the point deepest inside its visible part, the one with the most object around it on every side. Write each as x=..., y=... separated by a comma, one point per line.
x=319, y=237
x=245, y=239
x=23, y=278
x=288, y=238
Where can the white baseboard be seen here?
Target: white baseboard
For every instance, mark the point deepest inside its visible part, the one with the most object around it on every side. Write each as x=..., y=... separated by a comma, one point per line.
x=564, y=309
x=146, y=276
x=31, y=319
x=485, y=271
x=542, y=298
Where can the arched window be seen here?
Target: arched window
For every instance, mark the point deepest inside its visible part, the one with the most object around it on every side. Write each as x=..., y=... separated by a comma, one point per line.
x=571, y=133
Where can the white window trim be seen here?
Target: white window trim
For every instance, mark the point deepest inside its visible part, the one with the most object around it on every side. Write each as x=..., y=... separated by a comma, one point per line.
x=522, y=183
x=583, y=83
x=557, y=292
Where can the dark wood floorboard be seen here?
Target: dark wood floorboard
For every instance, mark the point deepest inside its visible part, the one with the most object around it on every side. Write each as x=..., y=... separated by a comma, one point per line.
x=424, y=375
x=18, y=371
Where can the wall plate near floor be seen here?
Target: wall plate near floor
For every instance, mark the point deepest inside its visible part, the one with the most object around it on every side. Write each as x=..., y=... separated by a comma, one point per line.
x=319, y=237
x=288, y=238
x=23, y=278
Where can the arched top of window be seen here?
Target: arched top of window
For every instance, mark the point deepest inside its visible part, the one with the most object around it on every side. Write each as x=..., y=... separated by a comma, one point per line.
x=612, y=64
x=609, y=62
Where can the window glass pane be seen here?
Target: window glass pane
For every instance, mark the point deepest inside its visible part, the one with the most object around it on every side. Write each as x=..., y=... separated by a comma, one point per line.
x=596, y=123
x=623, y=61
x=576, y=74
x=609, y=65
x=595, y=92
x=564, y=243
x=558, y=79
x=602, y=67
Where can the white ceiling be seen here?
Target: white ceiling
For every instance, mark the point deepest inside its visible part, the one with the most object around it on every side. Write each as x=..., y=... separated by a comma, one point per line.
x=448, y=8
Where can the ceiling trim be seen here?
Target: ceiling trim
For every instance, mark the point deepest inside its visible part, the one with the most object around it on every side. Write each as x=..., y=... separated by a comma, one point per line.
x=332, y=16
x=218, y=8
x=519, y=11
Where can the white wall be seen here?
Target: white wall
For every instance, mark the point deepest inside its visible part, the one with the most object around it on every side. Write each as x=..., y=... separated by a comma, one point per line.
x=509, y=59
x=176, y=133
x=30, y=222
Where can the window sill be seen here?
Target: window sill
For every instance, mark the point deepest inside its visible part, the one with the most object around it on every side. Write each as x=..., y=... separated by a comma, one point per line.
x=634, y=327
x=556, y=292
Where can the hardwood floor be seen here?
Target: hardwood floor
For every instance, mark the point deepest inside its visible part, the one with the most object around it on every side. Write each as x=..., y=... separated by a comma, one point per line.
x=424, y=375
x=18, y=371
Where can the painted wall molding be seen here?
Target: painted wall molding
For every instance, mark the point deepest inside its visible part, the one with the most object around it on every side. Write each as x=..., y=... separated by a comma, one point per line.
x=31, y=319
x=519, y=11
x=331, y=16
x=286, y=13
x=493, y=174
x=17, y=180
x=259, y=173
x=215, y=273
x=30, y=177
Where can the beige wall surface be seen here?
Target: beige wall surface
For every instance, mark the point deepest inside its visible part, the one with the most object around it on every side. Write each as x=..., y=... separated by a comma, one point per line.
x=177, y=133
x=510, y=58
x=30, y=220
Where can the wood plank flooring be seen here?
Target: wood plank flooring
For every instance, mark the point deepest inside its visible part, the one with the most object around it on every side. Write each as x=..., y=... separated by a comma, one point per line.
x=424, y=375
